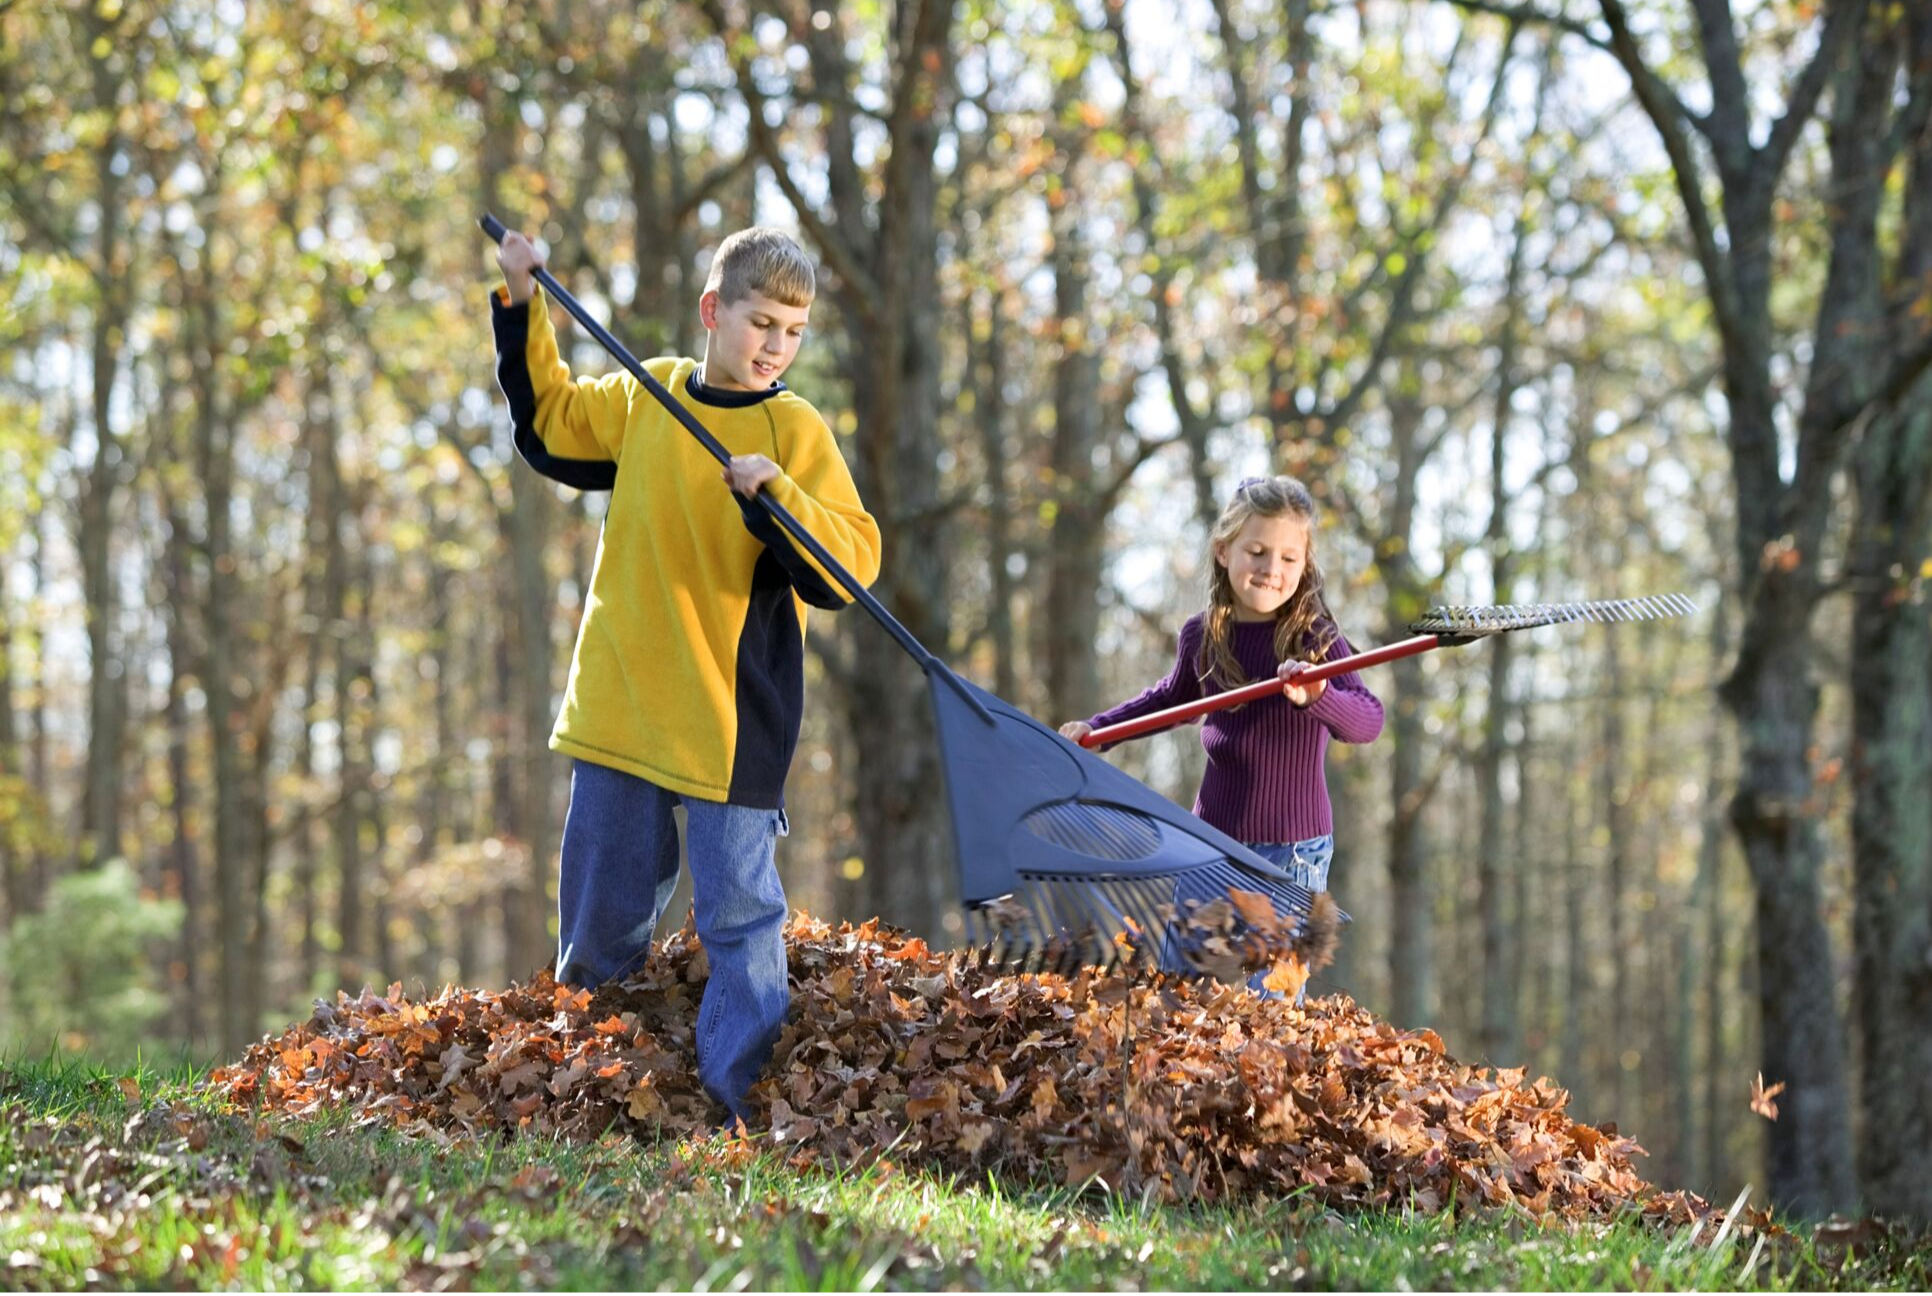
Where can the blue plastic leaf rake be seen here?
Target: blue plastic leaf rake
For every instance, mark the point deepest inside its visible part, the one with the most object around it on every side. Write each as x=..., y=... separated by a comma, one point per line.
x=1063, y=860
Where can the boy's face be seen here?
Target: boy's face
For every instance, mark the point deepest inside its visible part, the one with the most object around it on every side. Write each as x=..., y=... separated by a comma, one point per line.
x=753, y=340
x=1265, y=562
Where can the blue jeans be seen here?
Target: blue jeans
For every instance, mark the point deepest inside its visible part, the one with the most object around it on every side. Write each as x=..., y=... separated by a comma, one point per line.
x=1305, y=862
x=620, y=865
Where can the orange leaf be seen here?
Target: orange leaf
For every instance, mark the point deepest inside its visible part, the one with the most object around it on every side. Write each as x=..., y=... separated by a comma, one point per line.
x=1761, y=1097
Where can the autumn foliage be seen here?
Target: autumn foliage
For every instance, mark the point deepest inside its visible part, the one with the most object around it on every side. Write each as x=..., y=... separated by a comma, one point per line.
x=1178, y=1089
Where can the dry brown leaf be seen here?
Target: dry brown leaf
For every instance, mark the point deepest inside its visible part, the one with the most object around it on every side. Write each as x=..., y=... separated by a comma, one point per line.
x=1761, y=1097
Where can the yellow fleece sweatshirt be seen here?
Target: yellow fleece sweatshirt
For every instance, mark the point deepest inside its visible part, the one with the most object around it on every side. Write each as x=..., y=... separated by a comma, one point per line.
x=689, y=665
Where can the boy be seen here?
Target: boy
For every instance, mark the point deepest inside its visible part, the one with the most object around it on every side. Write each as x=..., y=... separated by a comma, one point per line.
x=687, y=681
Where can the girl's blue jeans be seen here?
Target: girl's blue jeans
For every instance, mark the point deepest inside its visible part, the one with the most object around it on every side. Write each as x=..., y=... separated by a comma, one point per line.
x=620, y=866
x=1305, y=862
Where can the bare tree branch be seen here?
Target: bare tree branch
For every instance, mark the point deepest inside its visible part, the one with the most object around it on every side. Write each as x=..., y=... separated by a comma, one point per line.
x=1841, y=23
x=1666, y=115
x=1531, y=14
x=844, y=259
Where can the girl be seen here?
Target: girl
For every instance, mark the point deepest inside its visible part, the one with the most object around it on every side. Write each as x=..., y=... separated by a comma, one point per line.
x=1265, y=785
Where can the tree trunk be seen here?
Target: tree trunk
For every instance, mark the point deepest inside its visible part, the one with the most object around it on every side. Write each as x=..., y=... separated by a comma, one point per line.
x=1614, y=788
x=1892, y=718
x=100, y=837
x=1498, y=1037
x=1411, y=975
x=182, y=791
x=989, y=370
x=39, y=761
x=1075, y=538
x=1576, y=973
x=1411, y=898
x=1780, y=523
x=1891, y=686
x=1709, y=906
x=894, y=359
x=529, y=529
x=13, y=880
x=214, y=452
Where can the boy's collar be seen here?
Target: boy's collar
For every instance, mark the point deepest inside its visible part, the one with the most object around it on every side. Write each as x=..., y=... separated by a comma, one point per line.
x=726, y=397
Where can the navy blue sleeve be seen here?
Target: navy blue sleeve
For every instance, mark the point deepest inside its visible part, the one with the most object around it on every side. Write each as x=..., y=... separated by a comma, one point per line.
x=511, y=325
x=811, y=586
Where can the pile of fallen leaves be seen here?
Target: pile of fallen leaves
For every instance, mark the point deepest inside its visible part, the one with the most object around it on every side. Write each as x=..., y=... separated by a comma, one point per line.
x=1178, y=1089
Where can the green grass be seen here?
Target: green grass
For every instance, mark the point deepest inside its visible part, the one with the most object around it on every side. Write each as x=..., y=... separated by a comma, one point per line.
x=167, y=1190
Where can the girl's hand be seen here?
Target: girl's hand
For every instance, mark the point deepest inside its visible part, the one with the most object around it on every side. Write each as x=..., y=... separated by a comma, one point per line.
x=747, y=473
x=518, y=256
x=1075, y=730
x=1300, y=694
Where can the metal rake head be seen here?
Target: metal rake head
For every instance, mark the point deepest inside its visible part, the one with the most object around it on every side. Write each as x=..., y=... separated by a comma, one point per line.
x=1475, y=622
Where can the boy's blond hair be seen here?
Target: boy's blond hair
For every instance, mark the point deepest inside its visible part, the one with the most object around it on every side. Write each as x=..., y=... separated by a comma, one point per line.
x=762, y=260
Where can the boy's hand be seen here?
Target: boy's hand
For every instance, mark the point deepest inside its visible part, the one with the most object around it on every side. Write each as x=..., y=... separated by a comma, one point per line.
x=746, y=473
x=1075, y=730
x=518, y=257
x=1300, y=694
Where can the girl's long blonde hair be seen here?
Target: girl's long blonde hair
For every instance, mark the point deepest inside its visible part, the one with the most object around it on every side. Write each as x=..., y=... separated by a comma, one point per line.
x=1303, y=627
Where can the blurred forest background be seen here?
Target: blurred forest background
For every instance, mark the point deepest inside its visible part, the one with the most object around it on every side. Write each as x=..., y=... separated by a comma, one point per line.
x=1546, y=300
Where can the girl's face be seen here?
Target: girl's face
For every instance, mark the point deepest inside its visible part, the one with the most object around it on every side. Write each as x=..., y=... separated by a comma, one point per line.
x=1265, y=562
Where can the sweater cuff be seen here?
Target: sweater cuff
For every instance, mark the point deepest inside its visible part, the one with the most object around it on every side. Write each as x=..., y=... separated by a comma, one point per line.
x=510, y=322
x=1323, y=707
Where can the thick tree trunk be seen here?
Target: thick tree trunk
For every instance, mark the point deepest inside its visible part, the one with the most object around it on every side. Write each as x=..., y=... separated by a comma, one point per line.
x=1780, y=523
x=1892, y=720
x=1803, y=1039
x=894, y=361
x=1891, y=686
x=901, y=814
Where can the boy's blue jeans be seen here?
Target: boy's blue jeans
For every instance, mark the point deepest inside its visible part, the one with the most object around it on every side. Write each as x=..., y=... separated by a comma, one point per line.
x=620, y=866
x=1305, y=862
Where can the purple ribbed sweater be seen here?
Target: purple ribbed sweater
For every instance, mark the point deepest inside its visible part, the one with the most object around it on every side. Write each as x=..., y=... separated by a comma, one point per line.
x=1265, y=780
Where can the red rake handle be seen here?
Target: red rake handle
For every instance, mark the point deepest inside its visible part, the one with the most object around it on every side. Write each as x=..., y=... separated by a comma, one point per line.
x=1256, y=691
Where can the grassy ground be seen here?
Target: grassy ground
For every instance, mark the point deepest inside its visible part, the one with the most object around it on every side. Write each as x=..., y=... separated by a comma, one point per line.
x=131, y=1180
